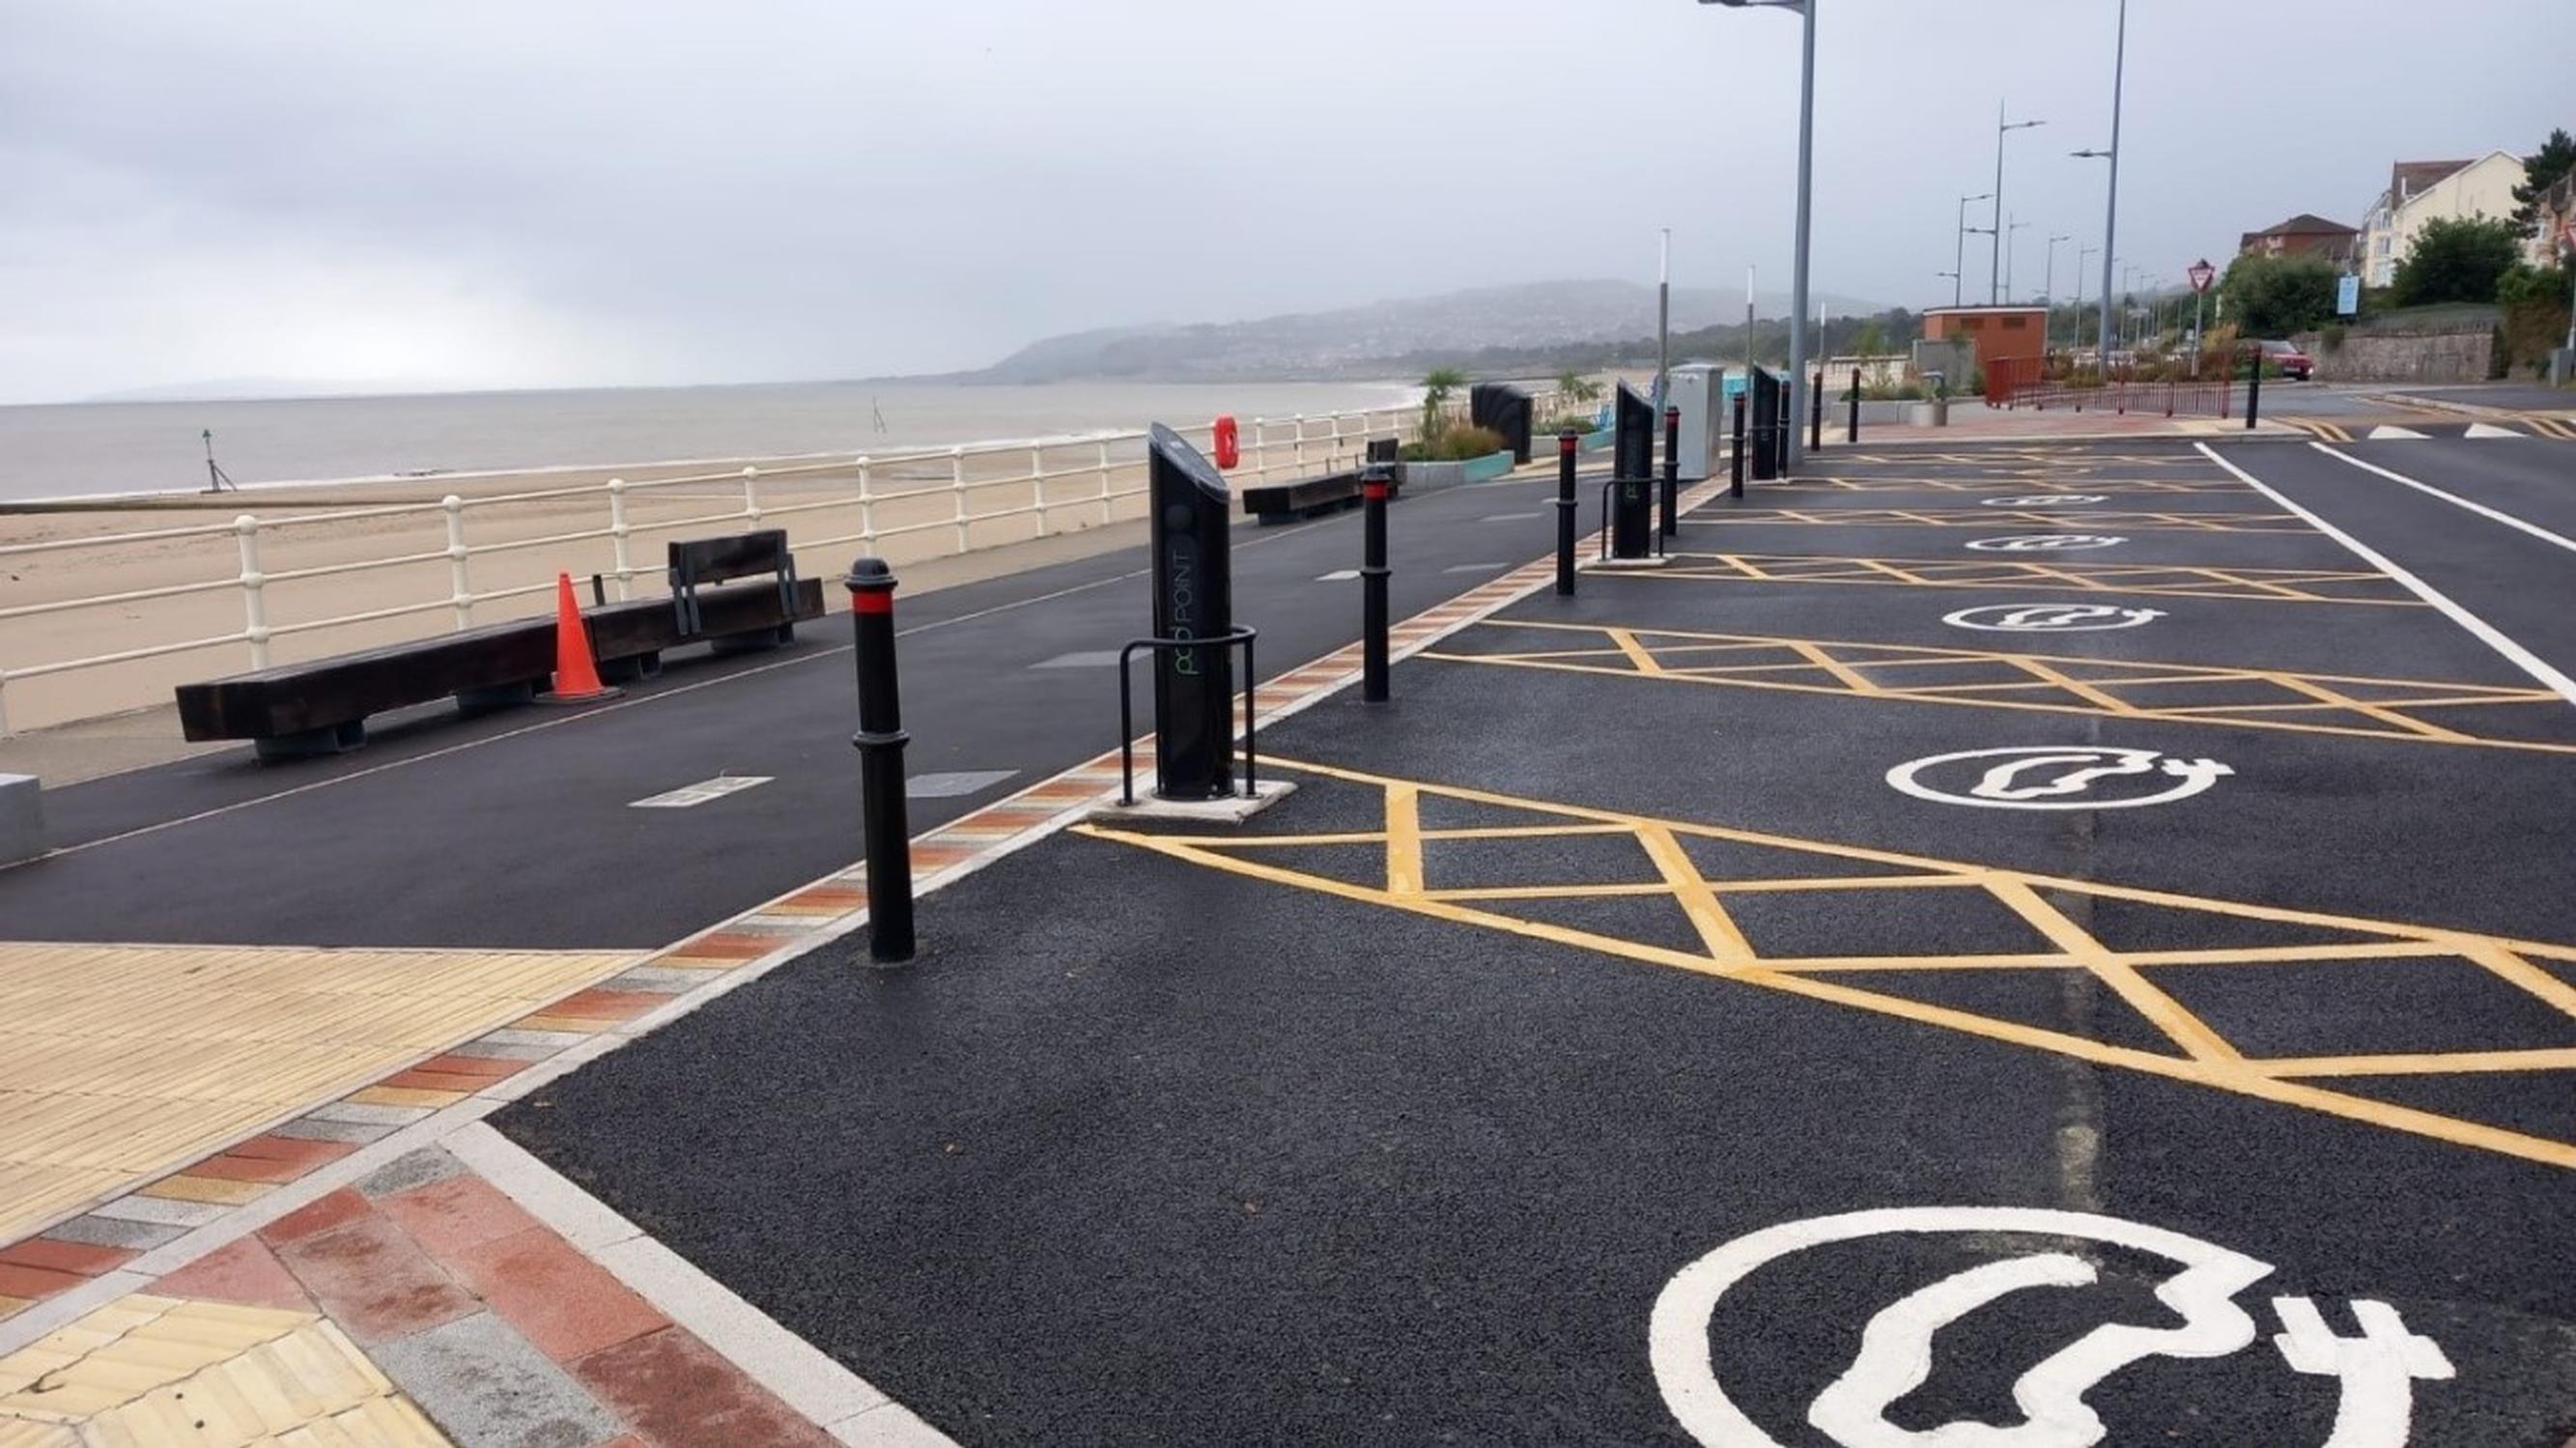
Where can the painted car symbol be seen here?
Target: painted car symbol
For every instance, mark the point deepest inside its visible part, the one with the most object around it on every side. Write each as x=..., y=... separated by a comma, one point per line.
x=2376, y=1370
x=2046, y=776
x=2047, y=542
x=2050, y=617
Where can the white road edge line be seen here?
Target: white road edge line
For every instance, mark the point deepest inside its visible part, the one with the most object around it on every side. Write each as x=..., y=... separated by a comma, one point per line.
x=2454, y=499
x=2487, y=633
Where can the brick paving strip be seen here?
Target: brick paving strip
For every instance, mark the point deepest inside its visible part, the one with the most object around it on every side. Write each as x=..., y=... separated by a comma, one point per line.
x=389, y=1224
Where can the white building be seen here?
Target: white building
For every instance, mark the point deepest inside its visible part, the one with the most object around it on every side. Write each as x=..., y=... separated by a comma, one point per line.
x=2422, y=191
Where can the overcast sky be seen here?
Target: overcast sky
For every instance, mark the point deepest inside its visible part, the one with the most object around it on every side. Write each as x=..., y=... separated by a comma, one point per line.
x=564, y=192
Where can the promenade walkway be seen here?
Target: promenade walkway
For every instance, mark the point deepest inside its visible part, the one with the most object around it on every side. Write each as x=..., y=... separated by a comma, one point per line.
x=1671, y=985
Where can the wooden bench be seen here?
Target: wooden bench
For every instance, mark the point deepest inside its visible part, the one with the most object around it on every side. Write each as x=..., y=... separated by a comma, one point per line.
x=321, y=706
x=1307, y=497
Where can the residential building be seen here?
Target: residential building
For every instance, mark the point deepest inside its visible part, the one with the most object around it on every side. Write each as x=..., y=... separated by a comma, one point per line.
x=2422, y=191
x=2556, y=228
x=2305, y=234
x=1995, y=333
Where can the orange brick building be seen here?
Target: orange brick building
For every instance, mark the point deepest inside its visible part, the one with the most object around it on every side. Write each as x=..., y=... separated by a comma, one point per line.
x=1994, y=333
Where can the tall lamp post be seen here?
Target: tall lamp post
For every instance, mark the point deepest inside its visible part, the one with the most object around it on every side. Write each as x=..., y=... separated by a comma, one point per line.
x=1995, y=282
x=2010, y=227
x=1806, y=10
x=2075, y=324
x=2048, y=298
x=2111, y=206
x=1959, y=262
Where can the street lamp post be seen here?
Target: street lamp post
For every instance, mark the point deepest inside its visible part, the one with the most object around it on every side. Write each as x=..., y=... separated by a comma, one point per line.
x=1959, y=262
x=2010, y=226
x=2075, y=324
x=2111, y=205
x=1995, y=282
x=2048, y=297
x=1806, y=10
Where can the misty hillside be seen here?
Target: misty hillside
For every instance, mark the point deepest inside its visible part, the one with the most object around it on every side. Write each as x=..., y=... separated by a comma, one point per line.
x=1363, y=340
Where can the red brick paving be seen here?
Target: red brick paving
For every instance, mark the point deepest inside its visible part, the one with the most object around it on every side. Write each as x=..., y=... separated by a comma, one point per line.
x=682, y=1394
x=270, y=1159
x=451, y=1216
x=374, y=1280
x=562, y=1301
x=81, y=1259
x=245, y=1272
x=35, y=1282
x=319, y=1215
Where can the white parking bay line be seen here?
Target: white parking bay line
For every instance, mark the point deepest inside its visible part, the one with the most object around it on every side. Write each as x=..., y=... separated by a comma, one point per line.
x=1512, y=517
x=697, y=794
x=1338, y=575
x=1474, y=567
x=2487, y=633
x=2455, y=500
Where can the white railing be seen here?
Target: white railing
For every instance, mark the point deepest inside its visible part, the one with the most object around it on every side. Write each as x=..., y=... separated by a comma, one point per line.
x=296, y=591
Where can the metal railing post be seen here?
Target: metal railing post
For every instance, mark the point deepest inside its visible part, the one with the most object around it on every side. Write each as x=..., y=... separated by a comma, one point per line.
x=1735, y=485
x=1260, y=449
x=254, y=584
x=880, y=742
x=867, y=507
x=1672, y=525
x=750, y=499
x=1373, y=575
x=1301, y=445
x=1107, y=503
x=1566, y=443
x=618, y=534
x=957, y=486
x=1037, y=485
x=460, y=585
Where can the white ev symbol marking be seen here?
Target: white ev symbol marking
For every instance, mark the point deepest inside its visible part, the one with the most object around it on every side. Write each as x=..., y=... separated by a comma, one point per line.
x=2046, y=776
x=2376, y=1370
x=2050, y=617
x=2047, y=542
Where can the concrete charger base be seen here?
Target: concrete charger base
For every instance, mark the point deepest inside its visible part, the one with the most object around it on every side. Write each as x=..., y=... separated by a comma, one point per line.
x=1231, y=810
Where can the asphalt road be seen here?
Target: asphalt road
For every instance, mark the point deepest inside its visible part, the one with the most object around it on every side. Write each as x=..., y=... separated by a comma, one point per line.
x=1520, y=1088
x=515, y=830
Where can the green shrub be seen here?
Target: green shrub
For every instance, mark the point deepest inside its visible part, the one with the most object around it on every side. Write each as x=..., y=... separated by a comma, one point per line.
x=1456, y=443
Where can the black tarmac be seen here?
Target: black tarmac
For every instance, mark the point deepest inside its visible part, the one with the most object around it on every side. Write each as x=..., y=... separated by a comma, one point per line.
x=1616, y=940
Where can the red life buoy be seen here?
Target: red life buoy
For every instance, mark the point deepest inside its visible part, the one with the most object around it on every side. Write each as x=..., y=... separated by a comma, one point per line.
x=1229, y=443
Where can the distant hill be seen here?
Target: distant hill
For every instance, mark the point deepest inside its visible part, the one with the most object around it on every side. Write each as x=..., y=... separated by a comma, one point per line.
x=1366, y=341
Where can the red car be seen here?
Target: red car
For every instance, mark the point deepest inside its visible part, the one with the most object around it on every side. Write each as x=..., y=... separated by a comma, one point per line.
x=2294, y=364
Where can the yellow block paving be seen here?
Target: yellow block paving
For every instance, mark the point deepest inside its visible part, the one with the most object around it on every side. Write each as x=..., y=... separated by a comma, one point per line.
x=121, y=1062
x=2340, y=704
x=159, y=1372
x=2198, y=1052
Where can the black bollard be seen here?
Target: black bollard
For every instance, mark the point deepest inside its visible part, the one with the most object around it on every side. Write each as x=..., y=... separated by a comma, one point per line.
x=1672, y=471
x=1735, y=487
x=1816, y=414
x=1785, y=434
x=880, y=742
x=1851, y=433
x=1373, y=572
x=1566, y=445
x=2254, y=388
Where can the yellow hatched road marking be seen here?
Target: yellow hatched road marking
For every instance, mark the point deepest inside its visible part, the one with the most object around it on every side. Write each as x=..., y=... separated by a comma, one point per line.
x=1848, y=665
x=2207, y=1057
x=2009, y=518
x=2177, y=580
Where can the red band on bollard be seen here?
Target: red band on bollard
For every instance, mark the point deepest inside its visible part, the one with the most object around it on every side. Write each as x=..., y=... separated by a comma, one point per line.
x=1374, y=492
x=1565, y=445
x=872, y=600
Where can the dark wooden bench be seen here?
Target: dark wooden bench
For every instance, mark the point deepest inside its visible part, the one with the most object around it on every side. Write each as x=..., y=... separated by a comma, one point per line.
x=1307, y=497
x=321, y=706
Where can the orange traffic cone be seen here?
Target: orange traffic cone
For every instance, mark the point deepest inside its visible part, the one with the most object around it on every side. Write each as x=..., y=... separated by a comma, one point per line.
x=576, y=676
